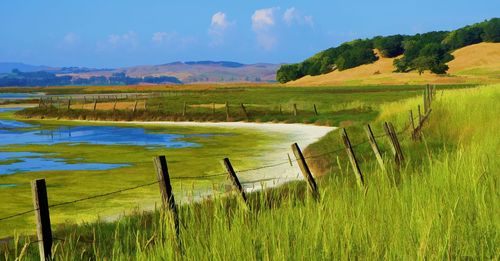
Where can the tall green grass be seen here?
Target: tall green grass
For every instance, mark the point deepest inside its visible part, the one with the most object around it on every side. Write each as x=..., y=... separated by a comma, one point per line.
x=443, y=204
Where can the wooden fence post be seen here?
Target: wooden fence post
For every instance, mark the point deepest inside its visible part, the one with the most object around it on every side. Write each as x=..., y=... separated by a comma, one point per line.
x=114, y=105
x=69, y=104
x=413, y=130
x=425, y=101
x=167, y=197
x=213, y=108
x=184, y=109
x=374, y=145
x=295, y=112
x=398, y=153
x=234, y=179
x=227, y=111
x=305, y=170
x=244, y=111
x=41, y=206
x=95, y=104
x=315, y=110
x=289, y=160
x=352, y=158
x=135, y=106
x=398, y=145
x=391, y=142
x=419, y=115
x=281, y=110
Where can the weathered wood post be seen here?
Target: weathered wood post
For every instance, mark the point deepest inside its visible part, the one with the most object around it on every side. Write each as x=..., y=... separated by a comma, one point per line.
x=305, y=170
x=352, y=158
x=69, y=104
x=135, y=106
x=425, y=101
x=295, y=112
x=167, y=196
x=234, y=179
x=213, y=108
x=395, y=145
x=374, y=145
x=227, y=111
x=281, y=110
x=184, y=107
x=114, y=105
x=41, y=206
x=95, y=105
x=419, y=115
x=146, y=104
x=315, y=110
x=244, y=111
x=412, y=123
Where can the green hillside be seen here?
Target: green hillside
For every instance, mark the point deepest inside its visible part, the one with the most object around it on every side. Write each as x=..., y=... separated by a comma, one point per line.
x=429, y=51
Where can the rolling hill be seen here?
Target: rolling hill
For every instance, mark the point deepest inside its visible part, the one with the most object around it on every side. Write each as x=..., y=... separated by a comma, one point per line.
x=478, y=63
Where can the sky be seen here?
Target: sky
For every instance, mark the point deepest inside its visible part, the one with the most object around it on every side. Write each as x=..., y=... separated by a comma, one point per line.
x=119, y=33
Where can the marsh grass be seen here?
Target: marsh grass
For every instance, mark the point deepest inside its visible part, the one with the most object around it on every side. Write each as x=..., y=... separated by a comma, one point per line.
x=442, y=204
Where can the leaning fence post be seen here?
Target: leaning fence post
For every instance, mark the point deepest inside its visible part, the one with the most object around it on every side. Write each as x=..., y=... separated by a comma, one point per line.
x=352, y=158
x=69, y=104
x=391, y=141
x=244, y=111
x=135, y=106
x=41, y=206
x=396, y=147
x=413, y=130
x=305, y=170
x=295, y=112
x=184, y=109
x=234, y=179
x=374, y=145
x=315, y=110
x=227, y=111
x=167, y=197
x=95, y=104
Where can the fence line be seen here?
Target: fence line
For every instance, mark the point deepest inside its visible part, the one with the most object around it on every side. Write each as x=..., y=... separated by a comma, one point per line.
x=45, y=238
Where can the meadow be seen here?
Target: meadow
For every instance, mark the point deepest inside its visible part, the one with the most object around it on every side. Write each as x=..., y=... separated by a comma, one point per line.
x=440, y=205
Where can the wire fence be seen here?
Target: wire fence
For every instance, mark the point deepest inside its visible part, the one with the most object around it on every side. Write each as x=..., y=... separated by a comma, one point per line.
x=284, y=162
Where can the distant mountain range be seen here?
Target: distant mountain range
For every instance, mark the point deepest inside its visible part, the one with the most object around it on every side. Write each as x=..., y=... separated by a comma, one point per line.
x=186, y=72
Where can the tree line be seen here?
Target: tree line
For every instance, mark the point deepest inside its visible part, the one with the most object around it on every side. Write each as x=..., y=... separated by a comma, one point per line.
x=421, y=52
x=43, y=78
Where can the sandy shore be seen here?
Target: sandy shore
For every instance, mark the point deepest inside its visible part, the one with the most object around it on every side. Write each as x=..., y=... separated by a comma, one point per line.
x=253, y=180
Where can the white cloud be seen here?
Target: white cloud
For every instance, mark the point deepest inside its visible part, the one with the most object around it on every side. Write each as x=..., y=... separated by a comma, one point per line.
x=218, y=27
x=292, y=15
x=263, y=21
x=163, y=37
x=219, y=21
x=129, y=38
x=71, y=39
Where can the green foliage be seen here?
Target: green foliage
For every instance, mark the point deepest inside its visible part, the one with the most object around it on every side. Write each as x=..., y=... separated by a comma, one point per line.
x=358, y=52
x=492, y=31
x=390, y=46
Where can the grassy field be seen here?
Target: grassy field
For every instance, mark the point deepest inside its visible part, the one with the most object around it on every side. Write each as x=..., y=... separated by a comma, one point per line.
x=339, y=106
x=441, y=205
x=69, y=185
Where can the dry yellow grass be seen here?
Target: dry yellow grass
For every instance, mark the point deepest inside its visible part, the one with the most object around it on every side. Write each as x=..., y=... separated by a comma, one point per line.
x=478, y=63
x=483, y=55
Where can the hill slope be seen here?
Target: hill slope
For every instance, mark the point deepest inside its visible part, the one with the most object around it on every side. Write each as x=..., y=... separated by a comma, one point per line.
x=477, y=63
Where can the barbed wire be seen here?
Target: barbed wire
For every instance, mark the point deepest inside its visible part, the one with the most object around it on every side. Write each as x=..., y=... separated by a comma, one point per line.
x=288, y=161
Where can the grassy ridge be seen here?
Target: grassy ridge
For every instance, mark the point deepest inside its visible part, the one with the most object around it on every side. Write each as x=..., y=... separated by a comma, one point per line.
x=442, y=205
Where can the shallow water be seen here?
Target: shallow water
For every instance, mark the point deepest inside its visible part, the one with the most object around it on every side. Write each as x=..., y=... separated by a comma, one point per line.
x=14, y=133
x=30, y=162
x=17, y=96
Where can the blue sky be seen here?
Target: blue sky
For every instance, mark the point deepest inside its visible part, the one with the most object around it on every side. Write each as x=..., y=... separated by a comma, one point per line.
x=114, y=33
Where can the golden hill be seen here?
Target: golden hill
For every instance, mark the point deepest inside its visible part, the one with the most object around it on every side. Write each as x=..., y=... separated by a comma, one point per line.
x=479, y=63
